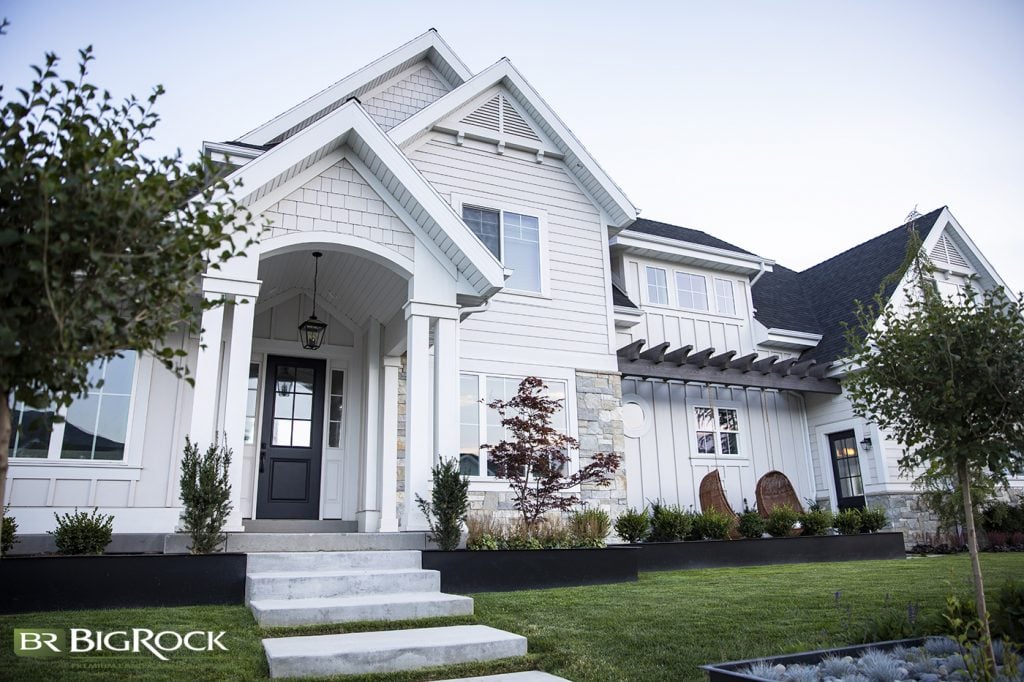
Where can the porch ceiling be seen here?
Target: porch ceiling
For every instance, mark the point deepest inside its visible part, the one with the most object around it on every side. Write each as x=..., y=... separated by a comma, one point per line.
x=352, y=288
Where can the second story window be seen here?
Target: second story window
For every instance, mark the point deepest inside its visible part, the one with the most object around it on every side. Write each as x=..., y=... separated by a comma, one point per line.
x=724, y=297
x=657, y=286
x=692, y=291
x=514, y=239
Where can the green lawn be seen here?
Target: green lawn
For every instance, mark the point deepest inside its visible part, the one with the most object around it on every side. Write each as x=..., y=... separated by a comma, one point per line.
x=660, y=628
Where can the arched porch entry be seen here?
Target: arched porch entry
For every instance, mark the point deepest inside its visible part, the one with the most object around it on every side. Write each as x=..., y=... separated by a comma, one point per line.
x=317, y=430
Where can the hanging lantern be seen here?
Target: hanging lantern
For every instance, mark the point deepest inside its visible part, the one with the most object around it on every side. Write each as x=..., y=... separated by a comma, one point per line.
x=313, y=331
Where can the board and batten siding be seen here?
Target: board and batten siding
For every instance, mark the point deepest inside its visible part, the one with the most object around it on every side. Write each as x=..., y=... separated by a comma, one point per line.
x=662, y=462
x=680, y=327
x=573, y=321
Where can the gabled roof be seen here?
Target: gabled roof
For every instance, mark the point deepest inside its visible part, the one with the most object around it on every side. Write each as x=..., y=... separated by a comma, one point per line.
x=577, y=159
x=350, y=126
x=683, y=234
x=822, y=299
x=428, y=46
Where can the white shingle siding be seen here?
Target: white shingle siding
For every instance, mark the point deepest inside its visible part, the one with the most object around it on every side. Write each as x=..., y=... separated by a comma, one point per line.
x=405, y=98
x=339, y=200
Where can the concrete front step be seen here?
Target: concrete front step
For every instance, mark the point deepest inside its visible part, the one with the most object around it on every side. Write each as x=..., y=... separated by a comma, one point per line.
x=370, y=652
x=326, y=584
x=261, y=562
x=528, y=676
x=307, y=542
x=298, y=526
x=386, y=607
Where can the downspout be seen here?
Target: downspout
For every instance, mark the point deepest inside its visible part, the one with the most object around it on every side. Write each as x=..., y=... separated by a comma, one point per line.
x=758, y=275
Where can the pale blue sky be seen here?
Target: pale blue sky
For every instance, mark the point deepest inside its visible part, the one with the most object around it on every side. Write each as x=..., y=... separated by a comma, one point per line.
x=793, y=129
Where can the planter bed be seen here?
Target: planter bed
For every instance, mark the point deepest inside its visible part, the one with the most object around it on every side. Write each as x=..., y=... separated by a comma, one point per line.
x=500, y=570
x=50, y=583
x=670, y=556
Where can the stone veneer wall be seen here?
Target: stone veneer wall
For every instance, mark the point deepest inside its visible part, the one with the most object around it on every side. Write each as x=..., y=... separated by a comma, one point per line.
x=907, y=513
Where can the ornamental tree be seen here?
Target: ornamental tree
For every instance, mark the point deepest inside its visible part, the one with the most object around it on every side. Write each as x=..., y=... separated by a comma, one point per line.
x=945, y=376
x=535, y=460
x=102, y=246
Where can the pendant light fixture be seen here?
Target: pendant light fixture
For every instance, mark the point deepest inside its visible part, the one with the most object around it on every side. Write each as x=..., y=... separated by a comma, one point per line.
x=312, y=331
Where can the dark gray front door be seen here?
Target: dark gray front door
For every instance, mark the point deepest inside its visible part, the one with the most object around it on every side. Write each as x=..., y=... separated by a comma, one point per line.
x=846, y=468
x=291, y=446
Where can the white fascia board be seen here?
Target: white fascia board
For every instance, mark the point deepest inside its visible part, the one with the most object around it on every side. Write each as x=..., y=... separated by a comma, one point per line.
x=615, y=203
x=225, y=152
x=790, y=338
x=333, y=131
x=412, y=51
x=675, y=249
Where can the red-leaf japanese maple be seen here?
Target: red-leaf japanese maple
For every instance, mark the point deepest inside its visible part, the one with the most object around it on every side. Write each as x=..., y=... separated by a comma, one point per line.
x=535, y=459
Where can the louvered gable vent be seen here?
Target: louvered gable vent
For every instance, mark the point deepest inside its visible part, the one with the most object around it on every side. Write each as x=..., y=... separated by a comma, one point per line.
x=945, y=251
x=499, y=115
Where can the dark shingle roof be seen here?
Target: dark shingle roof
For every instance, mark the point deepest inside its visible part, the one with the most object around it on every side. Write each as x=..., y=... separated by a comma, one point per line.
x=834, y=286
x=620, y=298
x=782, y=303
x=683, y=234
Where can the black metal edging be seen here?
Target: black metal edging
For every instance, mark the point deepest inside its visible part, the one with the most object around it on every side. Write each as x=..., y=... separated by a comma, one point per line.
x=725, y=672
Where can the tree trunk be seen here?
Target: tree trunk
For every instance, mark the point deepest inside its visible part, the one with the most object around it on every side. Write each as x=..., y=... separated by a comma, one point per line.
x=979, y=587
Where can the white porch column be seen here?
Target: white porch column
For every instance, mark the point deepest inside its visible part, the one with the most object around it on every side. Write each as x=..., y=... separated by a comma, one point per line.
x=237, y=389
x=206, y=389
x=446, y=385
x=368, y=514
x=389, y=446
x=419, y=437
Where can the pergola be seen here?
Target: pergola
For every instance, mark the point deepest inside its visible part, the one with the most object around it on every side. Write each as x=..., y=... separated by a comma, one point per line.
x=705, y=366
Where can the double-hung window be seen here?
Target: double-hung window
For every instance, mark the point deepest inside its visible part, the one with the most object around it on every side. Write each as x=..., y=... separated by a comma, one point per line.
x=95, y=426
x=657, y=286
x=514, y=239
x=481, y=424
x=718, y=431
x=725, y=299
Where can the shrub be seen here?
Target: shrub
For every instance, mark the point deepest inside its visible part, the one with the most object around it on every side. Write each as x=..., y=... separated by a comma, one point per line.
x=669, y=523
x=206, y=495
x=82, y=533
x=484, y=532
x=848, y=522
x=8, y=533
x=751, y=525
x=780, y=521
x=712, y=525
x=1008, y=611
x=448, y=505
x=590, y=527
x=872, y=520
x=633, y=526
x=816, y=521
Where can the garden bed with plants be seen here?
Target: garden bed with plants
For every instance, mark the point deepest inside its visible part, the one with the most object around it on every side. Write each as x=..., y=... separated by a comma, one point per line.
x=81, y=576
x=932, y=659
x=672, y=538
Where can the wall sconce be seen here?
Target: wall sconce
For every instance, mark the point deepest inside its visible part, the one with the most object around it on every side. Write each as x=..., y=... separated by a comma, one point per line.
x=866, y=443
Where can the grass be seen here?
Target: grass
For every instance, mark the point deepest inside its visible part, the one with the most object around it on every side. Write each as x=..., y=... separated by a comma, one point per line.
x=659, y=628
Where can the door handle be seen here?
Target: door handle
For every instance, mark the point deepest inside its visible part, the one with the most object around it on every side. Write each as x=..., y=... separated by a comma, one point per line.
x=263, y=455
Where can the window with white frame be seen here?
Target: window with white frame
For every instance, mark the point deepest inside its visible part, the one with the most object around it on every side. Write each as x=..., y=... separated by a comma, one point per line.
x=95, y=426
x=514, y=239
x=691, y=291
x=657, y=286
x=480, y=424
x=725, y=298
x=252, y=393
x=337, y=404
x=718, y=431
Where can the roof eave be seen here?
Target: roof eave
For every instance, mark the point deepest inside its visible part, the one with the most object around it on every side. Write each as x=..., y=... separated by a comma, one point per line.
x=689, y=253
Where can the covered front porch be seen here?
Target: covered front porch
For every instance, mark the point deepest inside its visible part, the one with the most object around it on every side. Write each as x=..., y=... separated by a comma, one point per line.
x=348, y=430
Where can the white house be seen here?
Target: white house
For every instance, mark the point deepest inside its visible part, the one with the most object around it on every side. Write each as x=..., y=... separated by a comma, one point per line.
x=468, y=240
